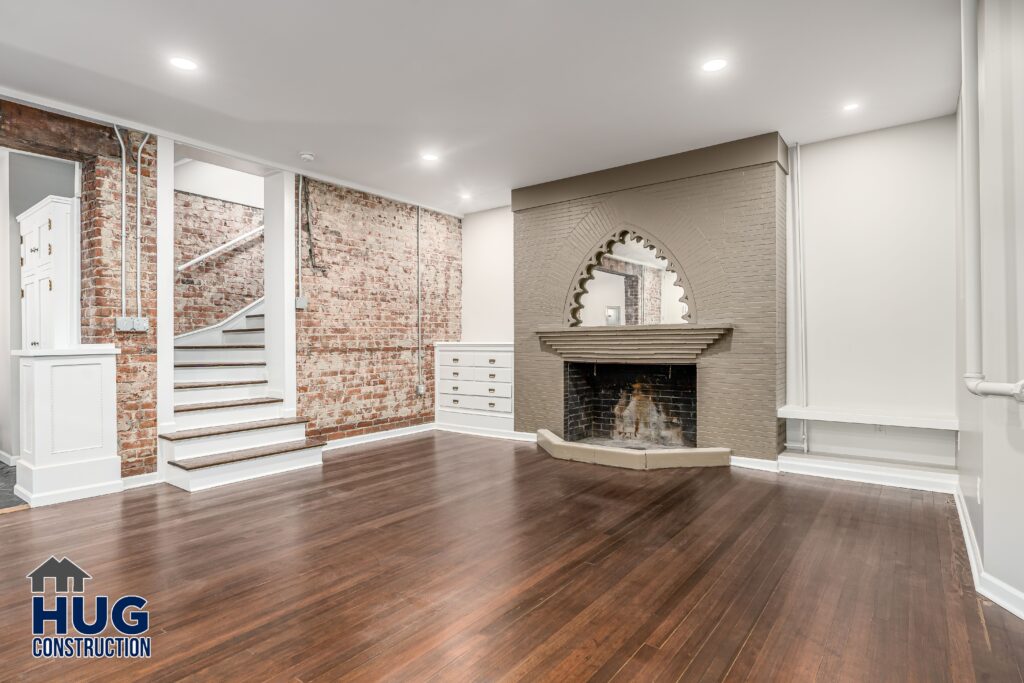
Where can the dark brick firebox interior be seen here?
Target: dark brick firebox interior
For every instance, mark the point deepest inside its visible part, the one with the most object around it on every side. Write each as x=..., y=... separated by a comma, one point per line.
x=649, y=405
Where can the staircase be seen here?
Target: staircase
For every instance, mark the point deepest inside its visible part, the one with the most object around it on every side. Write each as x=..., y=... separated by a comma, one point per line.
x=228, y=426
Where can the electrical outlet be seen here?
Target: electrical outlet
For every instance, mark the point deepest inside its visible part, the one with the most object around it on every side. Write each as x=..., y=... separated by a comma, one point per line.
x=140, y=324
x=124, y=324
x=301, y=303
x=421, y=389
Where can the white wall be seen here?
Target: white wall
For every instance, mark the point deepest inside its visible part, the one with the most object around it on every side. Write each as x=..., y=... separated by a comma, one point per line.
x=24, y=180
x=487, y=275
x=991, y=456
x=879, y=227
x=879, y=266
x=606, y=289
x=209, y=180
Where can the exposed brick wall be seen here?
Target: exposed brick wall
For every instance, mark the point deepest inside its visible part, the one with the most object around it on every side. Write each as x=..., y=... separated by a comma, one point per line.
x=356, y=343
x=223, y=284
x=101, y=298
x=33, y=130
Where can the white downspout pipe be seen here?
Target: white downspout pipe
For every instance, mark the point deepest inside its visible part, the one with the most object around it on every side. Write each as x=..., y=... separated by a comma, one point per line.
x=124, y=216
x=974, y=376
x=138, y=227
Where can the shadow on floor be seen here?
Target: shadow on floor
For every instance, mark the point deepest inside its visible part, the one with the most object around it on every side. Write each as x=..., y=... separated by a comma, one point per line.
x=7, y=480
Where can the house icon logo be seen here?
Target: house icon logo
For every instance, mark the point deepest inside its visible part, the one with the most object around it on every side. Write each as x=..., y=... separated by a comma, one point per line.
x=66, y=624
x=63, y=572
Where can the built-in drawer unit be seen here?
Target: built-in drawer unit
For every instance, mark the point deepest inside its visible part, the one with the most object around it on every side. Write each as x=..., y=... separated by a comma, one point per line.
x=474, y=386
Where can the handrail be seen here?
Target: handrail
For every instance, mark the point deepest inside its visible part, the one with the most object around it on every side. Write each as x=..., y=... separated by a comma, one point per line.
x=230, y=244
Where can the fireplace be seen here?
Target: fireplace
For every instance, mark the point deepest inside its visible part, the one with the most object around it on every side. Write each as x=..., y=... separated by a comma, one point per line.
x=631, y=406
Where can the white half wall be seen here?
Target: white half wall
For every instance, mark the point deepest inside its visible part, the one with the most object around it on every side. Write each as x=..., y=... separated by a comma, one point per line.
x=487, y=303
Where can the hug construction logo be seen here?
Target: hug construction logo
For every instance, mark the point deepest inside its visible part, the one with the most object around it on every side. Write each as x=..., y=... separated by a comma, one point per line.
x=75, y=634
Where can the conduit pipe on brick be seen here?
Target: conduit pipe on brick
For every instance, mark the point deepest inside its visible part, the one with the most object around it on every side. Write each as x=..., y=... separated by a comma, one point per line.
x=124, y=214
x=138, y=228
x=974, y=376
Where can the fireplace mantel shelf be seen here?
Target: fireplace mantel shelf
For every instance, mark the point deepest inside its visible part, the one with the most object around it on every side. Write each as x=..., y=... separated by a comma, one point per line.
x=678, y=344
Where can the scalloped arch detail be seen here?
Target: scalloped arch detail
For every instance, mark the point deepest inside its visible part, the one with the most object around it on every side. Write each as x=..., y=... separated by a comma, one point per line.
x=585, y=273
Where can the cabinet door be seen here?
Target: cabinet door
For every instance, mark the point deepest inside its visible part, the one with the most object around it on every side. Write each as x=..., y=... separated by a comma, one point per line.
x=30, y=313
x=46, y=310
x=30, y=245
x=46, y=240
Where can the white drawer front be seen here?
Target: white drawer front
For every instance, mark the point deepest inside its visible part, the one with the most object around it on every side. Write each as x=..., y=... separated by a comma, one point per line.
x=493, y=389
x=456, y=372
x=458, y=386
x=449, y=386
x=492, y=374
x=456, y=358
x=494, y=405
x=498, y=359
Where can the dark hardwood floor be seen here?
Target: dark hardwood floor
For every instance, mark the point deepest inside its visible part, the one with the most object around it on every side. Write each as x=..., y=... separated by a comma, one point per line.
x=452, y=557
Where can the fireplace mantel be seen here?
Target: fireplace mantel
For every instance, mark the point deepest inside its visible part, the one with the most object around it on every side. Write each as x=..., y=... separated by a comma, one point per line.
x=678, y=344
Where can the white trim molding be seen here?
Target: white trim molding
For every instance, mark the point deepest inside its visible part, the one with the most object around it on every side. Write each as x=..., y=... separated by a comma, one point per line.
x=529, y=437
x=885, y=474
x=996, y=590
x=763, y=464
x=139, y=480
x=8, y=459
x=377, y=436
x=943, y=422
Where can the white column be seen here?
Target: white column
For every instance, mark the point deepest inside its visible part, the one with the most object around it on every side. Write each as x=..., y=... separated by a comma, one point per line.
x=279, y=285
x=165, y=284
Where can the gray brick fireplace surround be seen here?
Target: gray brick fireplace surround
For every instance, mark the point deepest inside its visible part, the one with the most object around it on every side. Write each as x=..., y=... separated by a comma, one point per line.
x=718, y=215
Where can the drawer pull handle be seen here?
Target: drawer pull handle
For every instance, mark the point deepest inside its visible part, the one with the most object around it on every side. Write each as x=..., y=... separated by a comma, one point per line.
x=491, y=404
x=455, y=374
x=455, y=360
x=491, y=361
x=490, y=390
x=455, y=401
x=455, y=388
x=491, y=375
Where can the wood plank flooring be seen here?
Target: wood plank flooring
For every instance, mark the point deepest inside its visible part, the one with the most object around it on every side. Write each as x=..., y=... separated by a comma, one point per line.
x=450, y=557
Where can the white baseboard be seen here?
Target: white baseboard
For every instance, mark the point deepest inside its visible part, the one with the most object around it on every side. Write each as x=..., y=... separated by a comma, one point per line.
x=996, y=590
x=530, y=437
x=8, y=459
x=378, y=436
x=67, y=495
x=140, y=480
x=918, y=478
x=754, y=463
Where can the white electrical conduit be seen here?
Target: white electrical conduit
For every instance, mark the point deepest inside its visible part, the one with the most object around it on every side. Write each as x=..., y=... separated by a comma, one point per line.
x=800, y=315
x=138, y=227
x=974, y=376
x=124, y=214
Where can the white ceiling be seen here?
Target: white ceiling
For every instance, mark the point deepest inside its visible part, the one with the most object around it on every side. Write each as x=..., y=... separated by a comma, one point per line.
x=509, y=93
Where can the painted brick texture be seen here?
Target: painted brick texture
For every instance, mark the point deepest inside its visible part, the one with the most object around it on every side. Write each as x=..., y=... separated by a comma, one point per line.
x=726, y=231
x=223, y=284
x=356, y=343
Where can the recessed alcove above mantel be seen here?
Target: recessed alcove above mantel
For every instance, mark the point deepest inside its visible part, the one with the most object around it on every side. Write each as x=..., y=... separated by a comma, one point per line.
x=678, y=344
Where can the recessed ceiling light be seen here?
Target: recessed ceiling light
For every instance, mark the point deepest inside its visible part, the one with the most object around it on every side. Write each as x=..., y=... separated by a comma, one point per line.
x=307, y=156
x=184, y=64
x=851, y=106
x=429, y=156
x=465, y=195
x=714, y=65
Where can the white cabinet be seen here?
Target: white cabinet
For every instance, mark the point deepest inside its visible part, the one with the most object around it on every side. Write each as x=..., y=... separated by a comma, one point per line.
x=49, y=268
x=474, y=387
x=68, y=424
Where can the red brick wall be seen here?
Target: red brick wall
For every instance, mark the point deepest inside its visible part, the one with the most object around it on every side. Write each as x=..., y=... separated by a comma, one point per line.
x=101, y=297
x=223, y=284
x=356, y=343
x=33, y=130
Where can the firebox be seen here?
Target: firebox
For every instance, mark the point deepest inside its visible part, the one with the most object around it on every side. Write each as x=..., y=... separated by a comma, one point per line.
x=631, y=406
